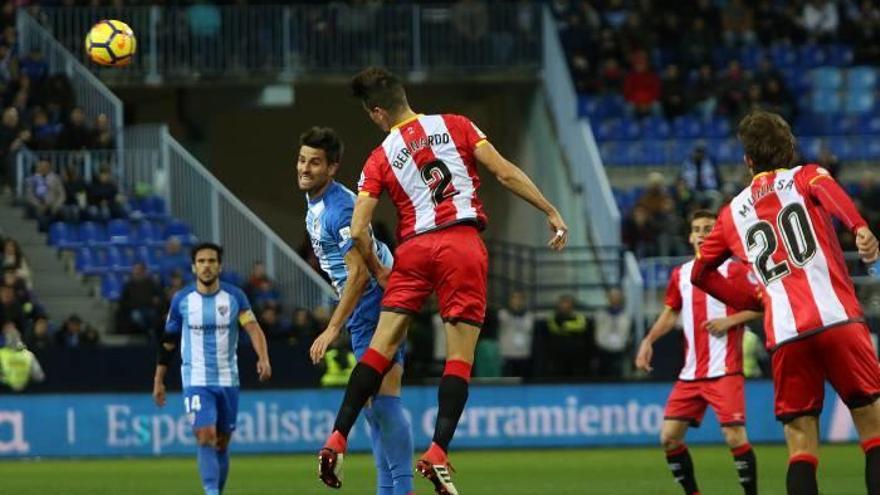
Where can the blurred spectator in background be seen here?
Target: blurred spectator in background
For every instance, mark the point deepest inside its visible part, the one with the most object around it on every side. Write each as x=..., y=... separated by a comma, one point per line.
x=34, y=66
x=641, y=87
x=139, y=303
x=174, y=258
x=516, y=328
x=569, y=341
x=44, y=195
x=39, y=336
x=304, y=326
x=103, y=138
x=11, y=309
x=470, y=21
x=45, y=132
x=613, y=333
x=703, y=92
x=103, y=197
x=737, y=22
x=696, y=44
x=260, y=289
x=675, y=101
x=75, y=333
x=75, y=194
x=639, y=232
x=18, y=365
x=655, y=196
x=76, y=134
x=702, y=175
x=13, y=136
x=820, y=20
x=14, y=258
x=275, y=326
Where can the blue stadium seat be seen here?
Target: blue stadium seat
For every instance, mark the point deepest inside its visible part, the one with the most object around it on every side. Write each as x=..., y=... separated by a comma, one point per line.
x=859, y=101
x=119, y=259
x=155, y=208
x=784, y=56
x=728, y=151
x=677, y=150
x=826, y=102
x=656, y=128
x=809, y=147
x=812, y=55
x=57, y=232
x=750, y=56
x=93, y=234
x=842, y=125
x=687, y=127
x=842, y=147
x=869, y=124
x=861, y=78
x=149, y=233
x=631, y=128
x=176, y=228
x=148, y=256
x=111, y=287
x=609, y=152
x=609, y=130
x=119, y=232
x=839, y=55
x=718, y=127
x=587, y=105
x=91, y=261
x=654, y=151
x=827, y=78
x=872, y=150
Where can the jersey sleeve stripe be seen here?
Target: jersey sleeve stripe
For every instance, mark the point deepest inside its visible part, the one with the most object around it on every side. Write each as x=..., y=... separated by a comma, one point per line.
x=481, y=142
x=816, y=178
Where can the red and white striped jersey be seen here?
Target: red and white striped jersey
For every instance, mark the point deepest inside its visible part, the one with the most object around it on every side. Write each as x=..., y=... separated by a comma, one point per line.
x=781, y=225
x=427, y=165
x=706, y=356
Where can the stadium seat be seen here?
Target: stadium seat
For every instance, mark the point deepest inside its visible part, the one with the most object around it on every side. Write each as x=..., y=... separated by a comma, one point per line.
x=654, y=151
x=811, y=56
x=57, y=232
x=631, y=128
x=656, y=128
x=872, y=150
x=149, y=233
x=809, y=147
x=148, y=256
x=869, y=124
x=841, y=146
x=91, y=261
x=609, y=130
x=111, y=287
x=839, y=55
x=718, y=127
x=176, y=228
x=155, y=208
x=843, y=125
x=119, y=232
x=784, y=56
x=727, y=151
x=609, y=152
x=824, y=102
x=861, y=78
x=687, y=127
x=93, y=234
x=750, y=56
x=859, y=101
x=827, y=78
x=119, y=259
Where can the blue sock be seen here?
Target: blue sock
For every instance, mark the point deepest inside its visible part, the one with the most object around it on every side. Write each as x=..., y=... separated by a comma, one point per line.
x=397, y=441
x=223, y=461
x=384, y=481
x=209, y=468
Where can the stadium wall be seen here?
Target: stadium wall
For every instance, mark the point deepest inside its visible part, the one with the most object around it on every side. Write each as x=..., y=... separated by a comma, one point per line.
x=252, y=148
x=297, y=421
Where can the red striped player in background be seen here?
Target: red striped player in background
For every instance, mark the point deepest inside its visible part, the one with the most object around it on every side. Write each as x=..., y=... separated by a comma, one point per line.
x=428, y=165
x=782, y=224
x=713, y=366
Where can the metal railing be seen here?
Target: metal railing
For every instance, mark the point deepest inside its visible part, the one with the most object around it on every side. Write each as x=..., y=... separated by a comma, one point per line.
x=281, y=41
x=89, y=92
x=584, y=272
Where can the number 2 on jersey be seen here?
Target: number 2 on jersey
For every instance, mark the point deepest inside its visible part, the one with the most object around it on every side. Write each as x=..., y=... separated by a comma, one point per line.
x=797, y=235
x=438, y=178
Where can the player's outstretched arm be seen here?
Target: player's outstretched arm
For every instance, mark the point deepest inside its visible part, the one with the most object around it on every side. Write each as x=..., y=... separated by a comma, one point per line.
x=720, y=326
x=516, y=181
x=664, y=324
x=358, y=277
x=361, y=217
x=258, y=340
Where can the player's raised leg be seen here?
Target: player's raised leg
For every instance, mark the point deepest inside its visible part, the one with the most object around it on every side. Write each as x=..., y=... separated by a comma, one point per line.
x=677, y=455
x=395, y=431
x=365, y=380
x=743, y=457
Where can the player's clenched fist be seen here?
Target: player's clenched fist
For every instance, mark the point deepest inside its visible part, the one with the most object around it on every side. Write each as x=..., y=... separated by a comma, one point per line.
x=264, y=369
x=159, y=394
x=867, y=245
x=560, y=231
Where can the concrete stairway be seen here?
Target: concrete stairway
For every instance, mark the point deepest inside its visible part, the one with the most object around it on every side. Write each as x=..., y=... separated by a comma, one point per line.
x=61, y=291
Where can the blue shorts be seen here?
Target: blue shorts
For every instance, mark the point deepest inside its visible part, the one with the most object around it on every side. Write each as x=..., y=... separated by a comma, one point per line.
x=212, y=406
x=362, y=325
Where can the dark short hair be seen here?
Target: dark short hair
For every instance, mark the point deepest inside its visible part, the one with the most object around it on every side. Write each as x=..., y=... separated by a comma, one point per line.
x=378, y=87
x=698, y=214
x=207, y=245
x=767, y=139
x=323, y=138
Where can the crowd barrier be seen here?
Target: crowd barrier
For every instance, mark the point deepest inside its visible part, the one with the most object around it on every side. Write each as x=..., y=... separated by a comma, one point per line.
x=297, y=421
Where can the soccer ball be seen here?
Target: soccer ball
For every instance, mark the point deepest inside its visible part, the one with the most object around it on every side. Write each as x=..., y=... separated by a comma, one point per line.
x=111, y=42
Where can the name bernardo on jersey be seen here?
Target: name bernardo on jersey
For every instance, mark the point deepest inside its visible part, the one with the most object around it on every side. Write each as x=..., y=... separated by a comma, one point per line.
x=412, y=147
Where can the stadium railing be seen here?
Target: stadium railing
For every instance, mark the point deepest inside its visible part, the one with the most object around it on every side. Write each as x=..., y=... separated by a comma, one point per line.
x=154, y=161
x=282, y=41
x=89, y=92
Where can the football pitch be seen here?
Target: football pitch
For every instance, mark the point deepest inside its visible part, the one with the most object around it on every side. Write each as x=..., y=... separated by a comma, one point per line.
x=522, y=472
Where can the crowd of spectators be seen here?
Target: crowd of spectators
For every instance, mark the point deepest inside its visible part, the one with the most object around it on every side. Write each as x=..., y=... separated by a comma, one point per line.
x=674, y=58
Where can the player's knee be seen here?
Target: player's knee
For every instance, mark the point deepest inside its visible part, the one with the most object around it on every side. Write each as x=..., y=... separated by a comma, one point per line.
x=735, y=436
x=222, y=442
x=206, y=437
x=670, y=442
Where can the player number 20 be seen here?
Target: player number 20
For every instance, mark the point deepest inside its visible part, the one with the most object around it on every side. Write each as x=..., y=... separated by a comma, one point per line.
x=192, y=404
x=797, y=235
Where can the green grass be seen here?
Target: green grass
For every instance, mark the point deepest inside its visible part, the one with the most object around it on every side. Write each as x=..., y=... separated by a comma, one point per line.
x=527, y=472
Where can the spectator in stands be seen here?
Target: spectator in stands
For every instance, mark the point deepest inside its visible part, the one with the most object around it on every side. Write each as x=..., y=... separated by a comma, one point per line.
x=611, y=76
x=76, y=333
x=13, y=258
x=569, y=341
x=11, y=310
x=11, y=279
x=275, y=326
x=304, y=326
x=75, y=194
x=516, y=328
x=733, y=86
x=737, y=22
x=44, y=195
x=639, y=232
x=34, y=66
x=776, y=98
x=259, y=287
x=641, y=87
x=103, y=138
x=39, y=337
x=103, y=197
x=470, y=21
x=76, y=135
x=674, y=93
x=696, y=44
x=703, y=92
x=13, y=136
x=18, y=365
x=702, y=175
x=173, y=257
x=863, y=32
x=139, y=302
x=45, y=133
x=613, y=335
x=820, y=20
x=829, y=160
x=655, y=195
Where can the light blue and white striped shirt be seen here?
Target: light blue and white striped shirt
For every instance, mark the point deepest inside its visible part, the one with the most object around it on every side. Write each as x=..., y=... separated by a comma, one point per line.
x=209, y=326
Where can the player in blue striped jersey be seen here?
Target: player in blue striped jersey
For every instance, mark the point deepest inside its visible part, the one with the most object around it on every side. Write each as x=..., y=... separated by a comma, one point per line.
x=204, y=321
x=328, y=222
